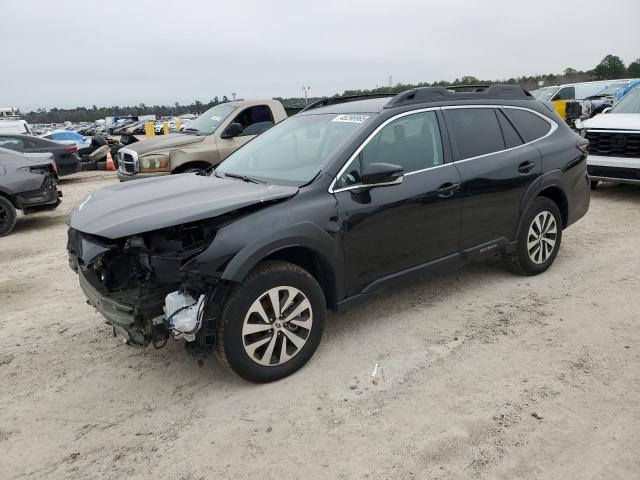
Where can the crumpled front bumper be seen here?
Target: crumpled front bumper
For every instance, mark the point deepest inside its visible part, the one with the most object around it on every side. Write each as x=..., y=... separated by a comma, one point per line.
x=120, y=315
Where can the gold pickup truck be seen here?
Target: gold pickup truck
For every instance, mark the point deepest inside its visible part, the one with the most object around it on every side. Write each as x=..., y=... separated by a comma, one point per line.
x=204, y=143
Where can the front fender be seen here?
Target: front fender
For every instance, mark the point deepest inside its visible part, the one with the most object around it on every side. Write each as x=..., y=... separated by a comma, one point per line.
x=241, y=245
x=305, y=234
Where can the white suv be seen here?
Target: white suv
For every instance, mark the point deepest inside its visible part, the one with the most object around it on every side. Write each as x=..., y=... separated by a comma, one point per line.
x=614, y=142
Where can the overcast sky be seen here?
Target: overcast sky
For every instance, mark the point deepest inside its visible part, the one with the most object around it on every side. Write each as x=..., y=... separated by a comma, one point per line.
x=115, y=52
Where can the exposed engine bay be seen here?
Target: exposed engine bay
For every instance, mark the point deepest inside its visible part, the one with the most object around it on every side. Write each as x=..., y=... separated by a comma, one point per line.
x=137, y=283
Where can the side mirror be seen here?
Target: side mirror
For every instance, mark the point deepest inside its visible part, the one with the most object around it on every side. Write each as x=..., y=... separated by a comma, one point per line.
x=381, y=174
x=233, y=130
x=606, y=110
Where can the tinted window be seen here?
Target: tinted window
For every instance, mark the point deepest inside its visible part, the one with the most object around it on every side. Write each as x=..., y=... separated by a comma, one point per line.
x=529, y=125
x=566, y=93
x=511, y=137
x=474, y=131
x=413, y=142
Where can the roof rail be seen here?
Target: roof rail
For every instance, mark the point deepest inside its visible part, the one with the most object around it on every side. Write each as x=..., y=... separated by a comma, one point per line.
x=336, y=99
x=435, y=94
x=467, y=88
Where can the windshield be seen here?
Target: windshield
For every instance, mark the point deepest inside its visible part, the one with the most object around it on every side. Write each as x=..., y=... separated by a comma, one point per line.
x=612, y=89
x=294, y=151
x=207, y=123
x=545, y=93
x=630, y=103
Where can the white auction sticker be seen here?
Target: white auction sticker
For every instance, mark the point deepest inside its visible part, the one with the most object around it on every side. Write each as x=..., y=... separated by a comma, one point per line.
x=351, y=118
x=216, y=118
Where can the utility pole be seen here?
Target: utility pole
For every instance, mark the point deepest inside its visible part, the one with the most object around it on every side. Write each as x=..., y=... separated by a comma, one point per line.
x=306, y=94
x=390, y=83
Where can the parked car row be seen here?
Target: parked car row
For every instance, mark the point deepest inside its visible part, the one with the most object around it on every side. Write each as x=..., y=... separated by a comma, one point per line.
x=586, y=99
x=65, y=156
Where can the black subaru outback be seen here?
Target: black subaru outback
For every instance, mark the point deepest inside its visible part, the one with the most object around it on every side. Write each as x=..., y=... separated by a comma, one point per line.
x=325, y=208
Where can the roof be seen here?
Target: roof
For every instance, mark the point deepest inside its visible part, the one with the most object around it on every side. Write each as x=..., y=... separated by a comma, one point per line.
x=433, y=95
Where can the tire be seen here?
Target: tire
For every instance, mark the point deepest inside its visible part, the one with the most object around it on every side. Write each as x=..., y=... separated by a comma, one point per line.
x=594, y=184
x=244, y=340
x=197, y=171
x=8, y=216
x=532, y=261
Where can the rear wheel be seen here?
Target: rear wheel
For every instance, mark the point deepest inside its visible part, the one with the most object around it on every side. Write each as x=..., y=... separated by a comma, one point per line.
x=272, y=323
x=8, y=216
x=539, y=239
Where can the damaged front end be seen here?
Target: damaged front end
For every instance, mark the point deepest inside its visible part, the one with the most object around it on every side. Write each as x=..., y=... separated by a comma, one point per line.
x=137, y=283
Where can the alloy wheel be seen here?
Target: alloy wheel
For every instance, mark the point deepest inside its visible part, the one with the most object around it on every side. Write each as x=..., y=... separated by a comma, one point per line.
x=542, y=237
x=277, y=326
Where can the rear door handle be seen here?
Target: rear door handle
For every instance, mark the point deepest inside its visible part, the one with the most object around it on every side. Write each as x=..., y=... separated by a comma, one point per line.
x=526, y=167
x=447, y=190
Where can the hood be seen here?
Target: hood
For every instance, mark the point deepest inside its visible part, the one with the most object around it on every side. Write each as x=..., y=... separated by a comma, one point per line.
x=616, y=121
x=164, y=142
x=130, y=208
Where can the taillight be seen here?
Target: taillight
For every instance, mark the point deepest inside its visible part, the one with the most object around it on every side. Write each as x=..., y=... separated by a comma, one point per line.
x=71, y=149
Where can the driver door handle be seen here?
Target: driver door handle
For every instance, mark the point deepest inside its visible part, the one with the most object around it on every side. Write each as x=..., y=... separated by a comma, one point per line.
x=526, y=167
x=447, y=190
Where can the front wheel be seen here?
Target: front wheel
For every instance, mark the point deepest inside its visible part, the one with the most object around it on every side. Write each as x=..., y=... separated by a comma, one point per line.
x=539, y=239
x=271, y=323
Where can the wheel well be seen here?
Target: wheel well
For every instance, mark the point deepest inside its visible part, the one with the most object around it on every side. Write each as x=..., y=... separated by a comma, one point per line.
x=10, y=198
x=316, y=265
x=555, y=194
x=195, y=164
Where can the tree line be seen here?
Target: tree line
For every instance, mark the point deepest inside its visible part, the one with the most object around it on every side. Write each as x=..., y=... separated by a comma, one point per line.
x=610, y=67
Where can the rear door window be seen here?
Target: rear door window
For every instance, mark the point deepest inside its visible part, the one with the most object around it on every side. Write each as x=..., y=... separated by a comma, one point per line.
x=474, y=132
x=529, y=125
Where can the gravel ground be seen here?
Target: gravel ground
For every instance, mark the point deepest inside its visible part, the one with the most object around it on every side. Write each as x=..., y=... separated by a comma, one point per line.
x=485, y=375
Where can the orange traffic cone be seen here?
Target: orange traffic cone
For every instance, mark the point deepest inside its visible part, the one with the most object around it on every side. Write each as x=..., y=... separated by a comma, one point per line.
x=110, y=164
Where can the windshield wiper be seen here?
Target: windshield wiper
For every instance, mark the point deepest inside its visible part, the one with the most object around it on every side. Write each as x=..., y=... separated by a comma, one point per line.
x=197, y=132
x=244, y=178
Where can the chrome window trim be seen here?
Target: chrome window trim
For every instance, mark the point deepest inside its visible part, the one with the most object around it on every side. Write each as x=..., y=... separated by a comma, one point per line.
x=552, y=124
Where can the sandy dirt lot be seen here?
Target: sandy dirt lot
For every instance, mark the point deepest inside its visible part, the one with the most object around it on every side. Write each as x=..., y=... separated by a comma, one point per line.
x=486, y=375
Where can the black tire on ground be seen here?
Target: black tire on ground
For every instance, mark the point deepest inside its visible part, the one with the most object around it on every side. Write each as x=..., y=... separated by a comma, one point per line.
x=8, y=216
x=231, y=336
x=594, y=184
x=522, y=260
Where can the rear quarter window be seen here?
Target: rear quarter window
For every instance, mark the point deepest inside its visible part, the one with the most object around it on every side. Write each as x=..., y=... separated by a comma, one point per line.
x=474, y=132
x=529, y=125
